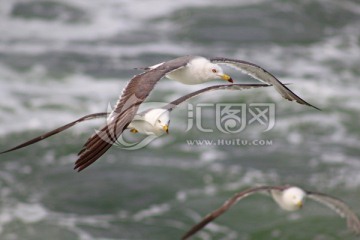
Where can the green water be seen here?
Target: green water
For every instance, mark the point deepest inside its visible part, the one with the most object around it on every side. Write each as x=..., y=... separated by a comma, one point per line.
x=61, y=60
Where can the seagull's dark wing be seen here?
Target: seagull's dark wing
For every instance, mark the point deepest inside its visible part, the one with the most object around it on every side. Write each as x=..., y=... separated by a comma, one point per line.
x=261, y=74
x=186, y=97
x=56, y=131
x=136, y=91
x=339, y=207
x=237, y=197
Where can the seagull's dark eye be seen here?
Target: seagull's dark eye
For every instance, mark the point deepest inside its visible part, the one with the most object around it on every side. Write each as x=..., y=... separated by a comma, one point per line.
x=159, y=121
x=213, y=70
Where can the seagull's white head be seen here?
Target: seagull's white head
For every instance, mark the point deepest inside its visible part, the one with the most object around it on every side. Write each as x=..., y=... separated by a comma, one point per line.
x=214, y=71
x=293, y=198
x=203, y=70
x=159, y=118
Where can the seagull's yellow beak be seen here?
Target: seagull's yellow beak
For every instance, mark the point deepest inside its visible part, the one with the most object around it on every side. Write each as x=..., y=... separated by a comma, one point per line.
x=227, y=78
x=166, y=129
x=299, y=204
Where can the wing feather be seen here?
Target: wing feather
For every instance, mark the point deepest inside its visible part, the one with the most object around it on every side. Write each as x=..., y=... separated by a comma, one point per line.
x=339, y=207
x=136, y=91
x=186, y=97
x=229, y=203
x=56, y=131
x=261, y=74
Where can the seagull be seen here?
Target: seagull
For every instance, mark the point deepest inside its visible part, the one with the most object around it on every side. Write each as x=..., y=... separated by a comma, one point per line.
x=289, y=198
x=187, y=70
x=153, y=121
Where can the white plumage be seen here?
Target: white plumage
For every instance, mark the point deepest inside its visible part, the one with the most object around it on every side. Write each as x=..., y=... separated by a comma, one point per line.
x=291, y=199
x=198, y=70
x=153, y=122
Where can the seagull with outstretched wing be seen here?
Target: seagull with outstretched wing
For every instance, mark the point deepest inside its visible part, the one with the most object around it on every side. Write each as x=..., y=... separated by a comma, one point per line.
x=289, y=198
x=187, y=70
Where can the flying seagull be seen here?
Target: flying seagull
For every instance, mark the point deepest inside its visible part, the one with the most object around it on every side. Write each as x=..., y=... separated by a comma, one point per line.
x=154, y=121
x=187, y=70
x=289, y=198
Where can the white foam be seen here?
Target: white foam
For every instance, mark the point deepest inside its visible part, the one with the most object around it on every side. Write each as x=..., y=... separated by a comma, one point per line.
x=151, y=211
x=25, y=212
x=69, y=94
x=211, y=155
x=105, y=19
x=30, y=213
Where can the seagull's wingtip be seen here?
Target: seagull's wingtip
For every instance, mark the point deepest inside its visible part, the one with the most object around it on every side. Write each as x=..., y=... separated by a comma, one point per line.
x=314, y=107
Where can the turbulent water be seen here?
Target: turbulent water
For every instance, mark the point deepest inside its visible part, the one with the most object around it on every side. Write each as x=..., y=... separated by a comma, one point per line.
x=61, y=59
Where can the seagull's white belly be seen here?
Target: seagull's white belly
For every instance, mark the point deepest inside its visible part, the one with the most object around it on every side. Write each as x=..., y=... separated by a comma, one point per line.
x=144, y=127
x=278, y=198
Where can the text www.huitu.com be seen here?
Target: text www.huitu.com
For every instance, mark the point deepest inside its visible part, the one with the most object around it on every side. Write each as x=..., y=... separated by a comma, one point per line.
x=229, y=142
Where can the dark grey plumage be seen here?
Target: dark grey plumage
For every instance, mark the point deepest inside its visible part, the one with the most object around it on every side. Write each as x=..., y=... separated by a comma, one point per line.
x=261, y=74
x=229, y=203
x=56, y=131
x=234, y=86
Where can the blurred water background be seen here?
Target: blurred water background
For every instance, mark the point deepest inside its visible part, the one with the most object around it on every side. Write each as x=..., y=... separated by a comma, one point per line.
x=62, y=59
